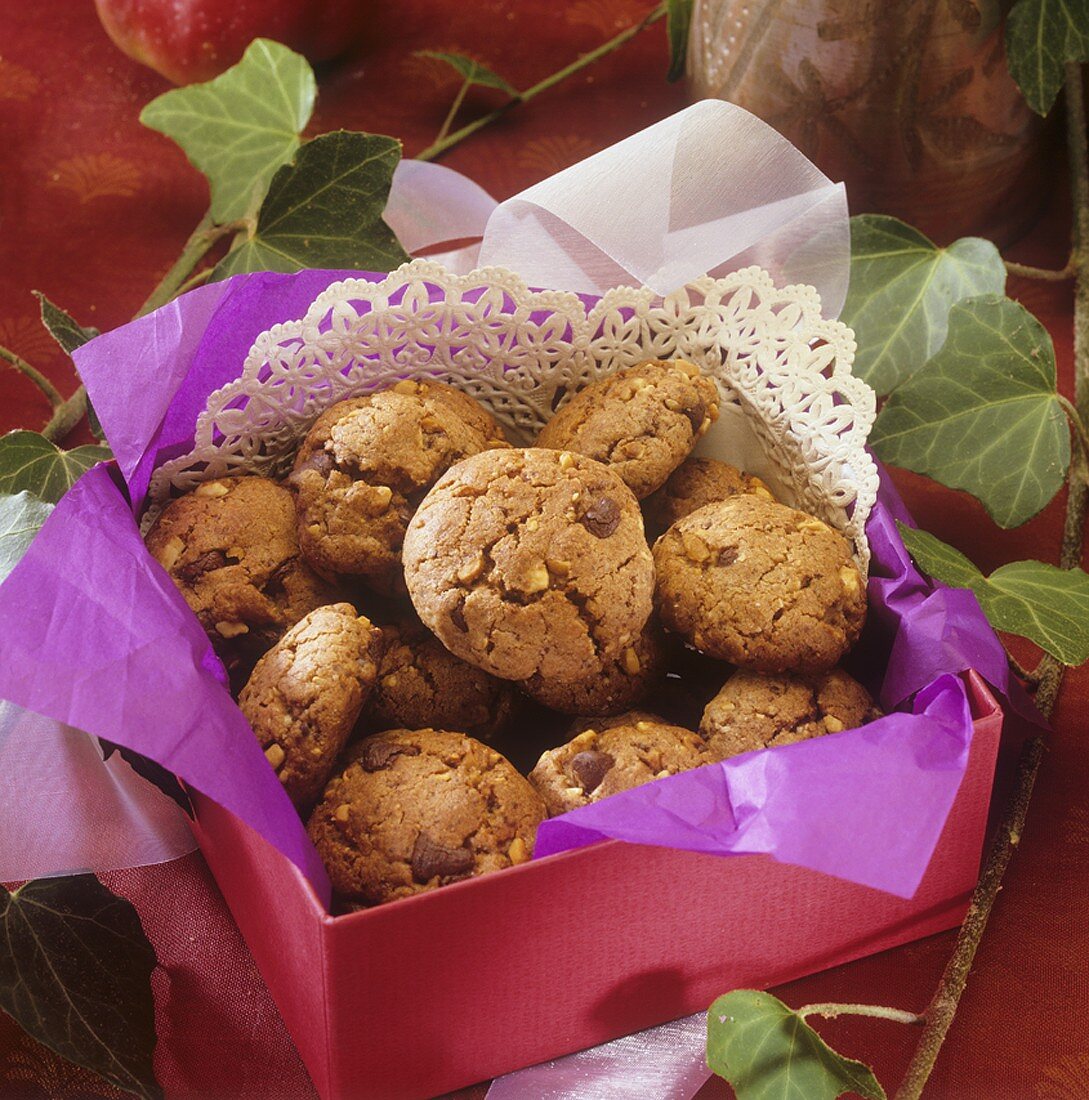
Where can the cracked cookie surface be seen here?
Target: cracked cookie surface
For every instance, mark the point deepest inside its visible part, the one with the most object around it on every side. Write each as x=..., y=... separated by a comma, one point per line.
x=599, y=762
x=761, y=585
x=642, y=422
x=530, y=562
x=305, y=694
x=753, y=711
x=422, y=684
x=365, y=464
x=609, y=686
x=231, y=548
x=694, y=483
x=417, y=809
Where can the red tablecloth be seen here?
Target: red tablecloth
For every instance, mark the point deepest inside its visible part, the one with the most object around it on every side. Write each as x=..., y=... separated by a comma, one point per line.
x=93, y=210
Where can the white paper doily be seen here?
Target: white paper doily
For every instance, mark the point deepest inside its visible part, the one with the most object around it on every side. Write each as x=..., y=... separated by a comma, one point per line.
x=792, y=411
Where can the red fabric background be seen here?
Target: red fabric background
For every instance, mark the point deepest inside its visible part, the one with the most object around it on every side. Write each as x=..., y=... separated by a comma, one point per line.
x=93, y=210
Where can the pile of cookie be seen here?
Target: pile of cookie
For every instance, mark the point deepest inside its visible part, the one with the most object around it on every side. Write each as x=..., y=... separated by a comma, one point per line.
x=419, y=603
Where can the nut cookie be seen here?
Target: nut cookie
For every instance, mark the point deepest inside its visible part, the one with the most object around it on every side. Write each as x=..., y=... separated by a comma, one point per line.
x=642, y=422
x=365, y=464
x=599, y=762
x=761, y=585
x=417, y=809
x=753, y=711
x=422, y=684
x=694, y=483
x=305, y=695
x=530, y=563
x=230, y=547
x=610, y=686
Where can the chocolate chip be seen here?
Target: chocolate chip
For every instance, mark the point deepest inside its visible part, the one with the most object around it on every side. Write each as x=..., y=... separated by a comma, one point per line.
x=376, y=755
x=206, y=563
x=727, y=555
x=602, y=518
x=696, y=415
x=589, y=768
x=432, y=860
x=457, y=617
x=322, y=461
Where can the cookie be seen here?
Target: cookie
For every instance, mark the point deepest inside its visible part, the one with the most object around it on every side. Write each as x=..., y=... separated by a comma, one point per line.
x=753, y=711
x=599, y=762
x=306, y=693
x=642, y=422
x=610, y=686
x=694, y=483
x=422, y=684
x=530, y=563
x=230, y=547
x=761, y=585
x=415, y=810
x=364, y=466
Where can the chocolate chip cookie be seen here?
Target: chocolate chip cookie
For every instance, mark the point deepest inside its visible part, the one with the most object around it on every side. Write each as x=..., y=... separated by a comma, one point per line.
x=530, y=563
x=230, y=547
x=417, y=809
x=694, y=483
x=421, y=684
x=365, y=464
x=761, y=585
x=753, y=711
x=609, y=686
x=306, y=693
x=599, y=762
x=642, y=422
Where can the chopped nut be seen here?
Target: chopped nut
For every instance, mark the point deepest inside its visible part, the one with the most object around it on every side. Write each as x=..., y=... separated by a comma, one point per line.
x=631, y=661
x=567, y=460
x=694, y=547
x=642, y=726
x=471, y=569
x=314, y=529
x=558, y=566
x=170, y=552
x=381, y=497
x=275, y=755
x=407, y=385
x=575, y=496
x=532, y=524
x=686, y=368
x=673, y=404
x=704, y=426
x=662, y=773
x=231, y=630
x=537, y=579
x=212, y=489
x=342, y=811
x=849, y=575
x=832, y=724
x=638, y=384
x=811, y=523
x=518, y=852
x=761, y=491
x=575, y=792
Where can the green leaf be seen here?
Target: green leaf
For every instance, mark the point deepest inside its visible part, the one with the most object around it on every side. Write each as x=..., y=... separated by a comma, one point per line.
x=902, y=286
x=983, y=414
x=242, y=126
x=68, y=332
x=1048, y=605
x=1041, y=36
x=21, y=518
x=768, y=1052
x=678, y=20
x=75, y=974
x=29, y=461
x=325, y=210
x=472, y=71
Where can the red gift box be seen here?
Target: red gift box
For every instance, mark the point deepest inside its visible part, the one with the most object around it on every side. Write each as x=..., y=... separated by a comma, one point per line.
x=433, y=992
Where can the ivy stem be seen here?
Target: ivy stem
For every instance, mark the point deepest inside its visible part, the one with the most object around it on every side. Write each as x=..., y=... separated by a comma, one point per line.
x=943, y=1005
x=831, y=1010
x=1046, y=274
x=23, y=367
x=67, y=415
x=1080, y=434
x=1031, y=676
x=448, y=141
x=454, y=108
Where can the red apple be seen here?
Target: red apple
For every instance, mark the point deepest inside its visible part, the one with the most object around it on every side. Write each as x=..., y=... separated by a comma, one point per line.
x=188, y=41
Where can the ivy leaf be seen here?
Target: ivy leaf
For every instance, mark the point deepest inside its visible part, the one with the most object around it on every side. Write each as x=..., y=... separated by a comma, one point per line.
x=768, y=1052
x=1041, y=36
x=67, y=331
x=325, y=210
x=472, y=71
x=239, y=128
x=902, y=286
x=21, y=518
x=1047, y=605
x=75, y=974
x=30, y=461
x=983, y=414
x=678, y=20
